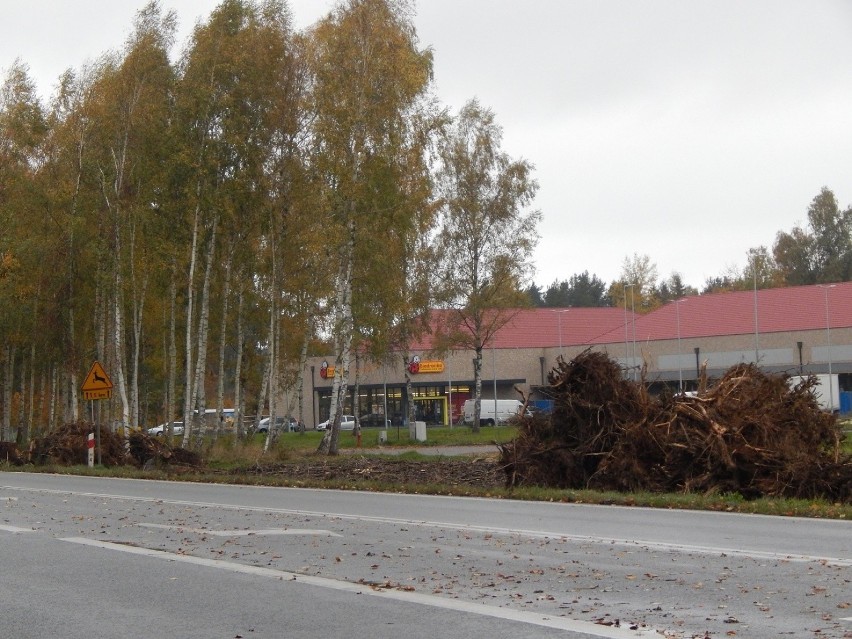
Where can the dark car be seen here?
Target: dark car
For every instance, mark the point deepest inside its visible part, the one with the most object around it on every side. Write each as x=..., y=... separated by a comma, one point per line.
x=374, y=420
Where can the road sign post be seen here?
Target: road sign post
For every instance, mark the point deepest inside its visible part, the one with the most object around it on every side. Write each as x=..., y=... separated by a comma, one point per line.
x=96, y=386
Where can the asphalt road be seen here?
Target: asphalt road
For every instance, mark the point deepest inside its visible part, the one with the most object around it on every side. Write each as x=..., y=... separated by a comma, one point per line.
x=90, y=557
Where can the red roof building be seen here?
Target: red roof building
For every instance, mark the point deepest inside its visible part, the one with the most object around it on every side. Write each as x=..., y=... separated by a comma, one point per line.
x=798, y=330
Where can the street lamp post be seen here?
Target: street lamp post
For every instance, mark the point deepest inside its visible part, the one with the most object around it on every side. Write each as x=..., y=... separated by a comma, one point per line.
x=494, y=373
x=450, y=388
x=679, y=362
x=625, y=323
x=560, y=333
x=633, y=322
x=559, y=314
x=756, y=339
x=825, y=288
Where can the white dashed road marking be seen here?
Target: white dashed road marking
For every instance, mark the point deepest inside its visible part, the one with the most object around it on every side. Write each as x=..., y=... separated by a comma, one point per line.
x=562, y=623
x=15, y=529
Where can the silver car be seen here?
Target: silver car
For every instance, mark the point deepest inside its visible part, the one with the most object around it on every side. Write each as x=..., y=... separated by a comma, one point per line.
x=347, y=422
x=281, y=423
x=162, y=429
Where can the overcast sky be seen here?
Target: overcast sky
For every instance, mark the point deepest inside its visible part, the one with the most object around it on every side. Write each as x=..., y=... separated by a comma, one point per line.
x=689, y=131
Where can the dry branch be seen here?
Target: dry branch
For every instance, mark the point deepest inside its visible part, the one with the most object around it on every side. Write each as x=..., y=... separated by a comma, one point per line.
x=750, y=433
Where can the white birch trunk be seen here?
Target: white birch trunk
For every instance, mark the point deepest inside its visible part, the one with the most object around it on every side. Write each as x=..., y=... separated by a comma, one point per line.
x=200, y=395
x=138, y=311
x=271, y=366
x=166, y=362
x=190, y=297
x=43, y=395
x=136, y=329
x=356, y=409
x=100, y=321
x=300, y=382
x=64, y=395
x=28, y=424
x=223, y=330
x=345, y=327
x=118, y=360
x=51, y=411
x=409, y=392
x=264, y=387
x=171, y=395
x=73, y=362
x=19, y=435
x=239, y=404
x=119, y=161
x=477, y=385
x=8, y=385
x=273, y=387
x=72, y=389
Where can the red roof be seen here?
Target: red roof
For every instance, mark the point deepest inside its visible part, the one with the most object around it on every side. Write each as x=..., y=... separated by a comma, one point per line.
x=543, y=327
x=546, y=327
x=795, y=308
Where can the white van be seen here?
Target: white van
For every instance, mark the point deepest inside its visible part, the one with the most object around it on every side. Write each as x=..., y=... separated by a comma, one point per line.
x=506, y=409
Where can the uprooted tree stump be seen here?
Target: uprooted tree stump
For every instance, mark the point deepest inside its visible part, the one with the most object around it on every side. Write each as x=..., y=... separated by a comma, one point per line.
x=9, y=454
x=750, y=433
x=68, y=445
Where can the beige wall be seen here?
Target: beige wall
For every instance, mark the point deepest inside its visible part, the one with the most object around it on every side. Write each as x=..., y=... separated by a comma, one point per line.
x=665, y=359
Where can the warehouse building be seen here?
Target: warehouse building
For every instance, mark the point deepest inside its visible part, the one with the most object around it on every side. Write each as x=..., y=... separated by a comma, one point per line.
x=799, y=330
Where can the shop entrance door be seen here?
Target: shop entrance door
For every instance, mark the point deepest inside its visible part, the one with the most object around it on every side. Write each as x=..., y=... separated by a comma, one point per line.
x=432, y=410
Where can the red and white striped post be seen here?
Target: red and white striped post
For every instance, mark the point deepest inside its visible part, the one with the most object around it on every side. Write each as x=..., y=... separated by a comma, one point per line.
x=91, y=443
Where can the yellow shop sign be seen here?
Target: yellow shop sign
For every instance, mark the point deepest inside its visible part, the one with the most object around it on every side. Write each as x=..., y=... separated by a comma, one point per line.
x=425, y=366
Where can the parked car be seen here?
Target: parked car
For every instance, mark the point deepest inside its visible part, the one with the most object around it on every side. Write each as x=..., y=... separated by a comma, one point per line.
x=281, y=423
x=375, y=420
x=492, y=412
x=162, y=429
x=347, y=422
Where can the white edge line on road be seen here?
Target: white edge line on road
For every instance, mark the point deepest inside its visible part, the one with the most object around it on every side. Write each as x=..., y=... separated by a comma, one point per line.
x=535, y=534
x=561, y=623
x=245, y=533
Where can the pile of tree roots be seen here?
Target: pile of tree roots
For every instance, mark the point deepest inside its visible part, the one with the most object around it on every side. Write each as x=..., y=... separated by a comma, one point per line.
x=750, y=433
x=69, y=445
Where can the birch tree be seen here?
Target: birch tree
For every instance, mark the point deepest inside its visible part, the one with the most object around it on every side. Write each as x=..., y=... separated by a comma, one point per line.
x=72, y=203
x=368, y=79
x=227, y=90
x=132, y=112
x=486, y=236
x=636, y=285
x=23, y=268
x=296, y=198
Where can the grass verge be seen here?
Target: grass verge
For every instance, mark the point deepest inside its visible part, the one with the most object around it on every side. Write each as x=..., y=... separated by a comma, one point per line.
x=234, y=462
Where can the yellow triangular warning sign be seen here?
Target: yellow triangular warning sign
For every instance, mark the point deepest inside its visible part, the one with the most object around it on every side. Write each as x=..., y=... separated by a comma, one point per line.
x=97, y=379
